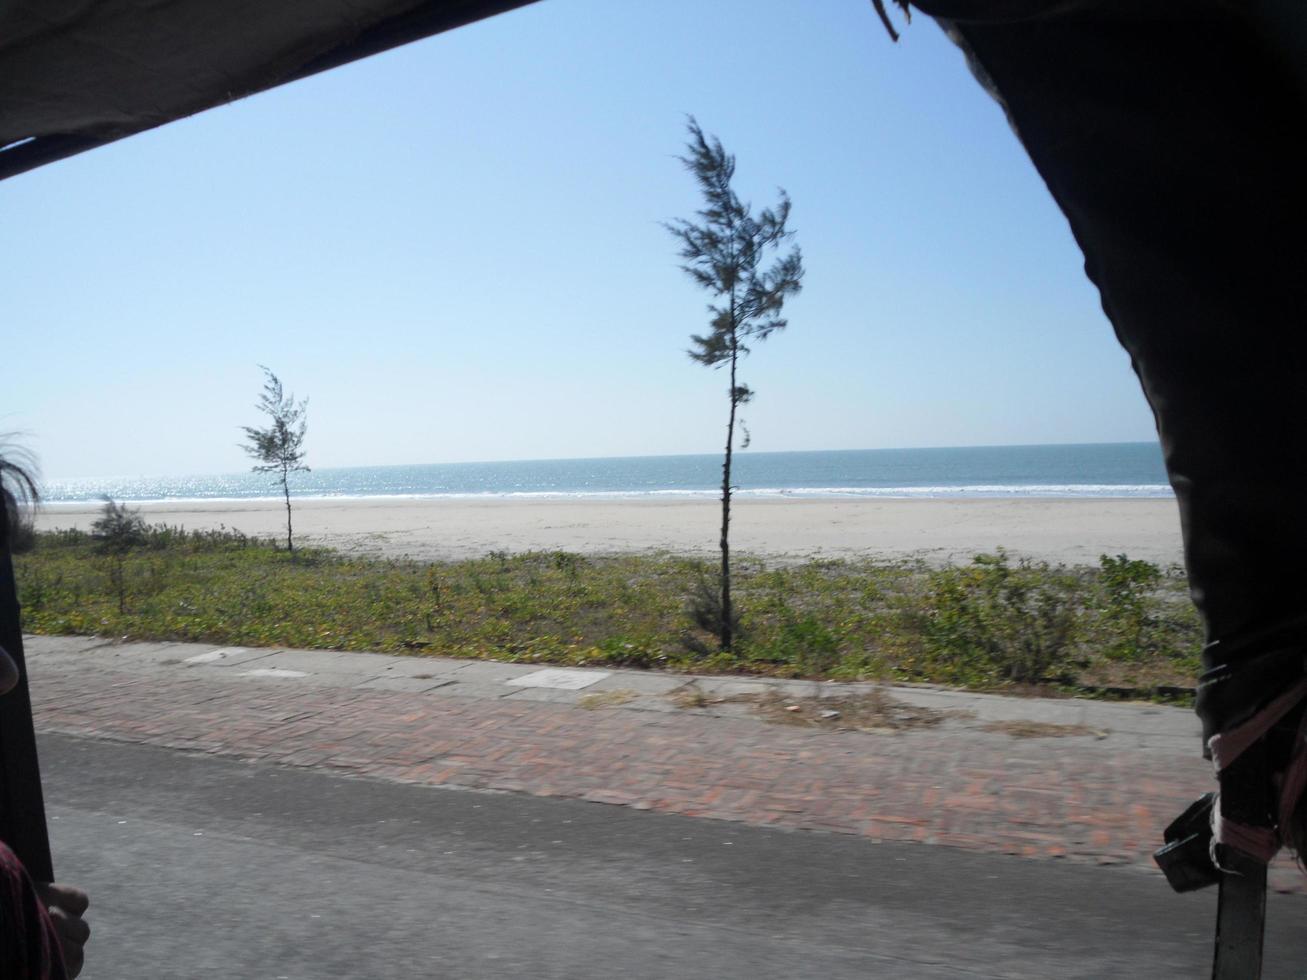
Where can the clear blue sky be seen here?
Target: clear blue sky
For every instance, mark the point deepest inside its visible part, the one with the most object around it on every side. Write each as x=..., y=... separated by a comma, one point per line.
x=455, y=251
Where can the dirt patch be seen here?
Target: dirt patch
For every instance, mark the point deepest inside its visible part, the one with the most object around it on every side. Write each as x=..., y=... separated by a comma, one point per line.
x=607, y=699
x=1040, y=729
x=693, y=696
x=872, y=711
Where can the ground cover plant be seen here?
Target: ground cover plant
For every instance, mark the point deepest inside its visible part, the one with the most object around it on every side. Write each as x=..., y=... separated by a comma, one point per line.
x=1124, y=627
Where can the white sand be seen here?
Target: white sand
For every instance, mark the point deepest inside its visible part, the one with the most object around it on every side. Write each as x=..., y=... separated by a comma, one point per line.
x=1070, y=531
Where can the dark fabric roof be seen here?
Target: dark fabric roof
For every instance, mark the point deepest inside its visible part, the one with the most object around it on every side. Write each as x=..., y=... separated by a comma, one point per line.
x=75, y=74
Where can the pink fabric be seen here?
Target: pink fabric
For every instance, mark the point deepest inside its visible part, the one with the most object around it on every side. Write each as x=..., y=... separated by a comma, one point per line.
x=1261, y=843
x=1295, y=777
x=1229, y=745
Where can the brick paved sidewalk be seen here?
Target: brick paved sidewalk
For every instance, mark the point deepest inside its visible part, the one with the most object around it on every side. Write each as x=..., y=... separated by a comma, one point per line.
x=619, y=737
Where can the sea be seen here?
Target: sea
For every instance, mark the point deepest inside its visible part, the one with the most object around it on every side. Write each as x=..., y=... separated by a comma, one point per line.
x=1131, y=469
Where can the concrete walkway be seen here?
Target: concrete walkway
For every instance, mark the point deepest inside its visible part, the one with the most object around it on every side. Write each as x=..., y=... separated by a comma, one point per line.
x=1073, y=780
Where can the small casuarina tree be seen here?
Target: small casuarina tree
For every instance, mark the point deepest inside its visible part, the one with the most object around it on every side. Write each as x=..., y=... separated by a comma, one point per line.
x=723, y=254
x=278, y=448
x=117, y=531
x=19, y=495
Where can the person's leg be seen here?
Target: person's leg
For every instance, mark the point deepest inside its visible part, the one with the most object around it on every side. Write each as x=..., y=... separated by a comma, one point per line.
x=1173, y=145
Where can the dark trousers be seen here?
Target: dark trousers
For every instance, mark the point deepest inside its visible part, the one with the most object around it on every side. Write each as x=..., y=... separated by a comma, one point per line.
x=1172, y=137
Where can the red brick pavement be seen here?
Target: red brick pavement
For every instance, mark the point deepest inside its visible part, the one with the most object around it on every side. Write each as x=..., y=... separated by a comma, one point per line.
x=1073, y=798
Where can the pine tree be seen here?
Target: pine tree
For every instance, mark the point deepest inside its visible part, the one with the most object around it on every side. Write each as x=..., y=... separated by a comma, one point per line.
x=723, y=254
x=117, y=531
x=278, y=448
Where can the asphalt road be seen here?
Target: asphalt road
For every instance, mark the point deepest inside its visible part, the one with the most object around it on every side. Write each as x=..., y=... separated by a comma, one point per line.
x=206, y=867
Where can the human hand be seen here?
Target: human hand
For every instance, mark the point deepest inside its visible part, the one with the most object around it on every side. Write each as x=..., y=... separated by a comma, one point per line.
x=66, y=905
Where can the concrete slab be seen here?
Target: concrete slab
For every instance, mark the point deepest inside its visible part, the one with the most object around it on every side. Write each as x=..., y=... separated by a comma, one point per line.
x=416, y=666
x=641, y=683
x=489, y=671
x=661, y=705
x=146, y=654
x=278, y=675
x=1022, y=709
x=560, y=678
x=714, y=688
x=728, y=709
x=817, y=689
x=550, y=695
x=399, y=682
x=273, y=673
x=929, y=698
x=1145, y=719
x=225, y=656
x=1142, y=719
x=208, y=657
x=36, y=646
x=327, y=661
x=137, y=658
x=481, y=690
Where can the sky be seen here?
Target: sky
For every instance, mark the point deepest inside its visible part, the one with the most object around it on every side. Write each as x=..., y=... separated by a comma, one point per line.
x=456, y=252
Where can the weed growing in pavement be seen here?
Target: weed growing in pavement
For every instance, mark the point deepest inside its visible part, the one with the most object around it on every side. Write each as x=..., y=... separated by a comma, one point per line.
x=607, y=699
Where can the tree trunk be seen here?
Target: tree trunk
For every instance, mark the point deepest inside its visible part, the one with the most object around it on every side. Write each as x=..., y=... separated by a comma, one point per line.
x=290, y=541
x=727, y=632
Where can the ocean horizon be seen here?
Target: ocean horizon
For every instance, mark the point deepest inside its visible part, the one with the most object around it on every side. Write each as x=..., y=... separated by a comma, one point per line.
x=1078, y=470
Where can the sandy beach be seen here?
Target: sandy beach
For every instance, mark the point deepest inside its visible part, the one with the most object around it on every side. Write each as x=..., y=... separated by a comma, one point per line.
x=1072, y=531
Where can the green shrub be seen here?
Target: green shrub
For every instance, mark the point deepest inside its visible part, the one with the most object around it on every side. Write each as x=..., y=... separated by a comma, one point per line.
x=703, y=608
x=1127, y=606
x=803, y=642
x=992, y=620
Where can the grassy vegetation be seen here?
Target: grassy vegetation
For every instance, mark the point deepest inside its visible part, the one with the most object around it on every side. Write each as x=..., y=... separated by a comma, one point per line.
x=993, y=623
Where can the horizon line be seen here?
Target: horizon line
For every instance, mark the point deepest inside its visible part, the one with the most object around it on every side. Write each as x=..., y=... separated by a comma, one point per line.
x=578, y=459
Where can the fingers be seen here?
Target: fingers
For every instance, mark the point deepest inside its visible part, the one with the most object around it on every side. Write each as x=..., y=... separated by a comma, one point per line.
x=73, y=932
x=71, y=928
x=70, y=899
x=66, y=905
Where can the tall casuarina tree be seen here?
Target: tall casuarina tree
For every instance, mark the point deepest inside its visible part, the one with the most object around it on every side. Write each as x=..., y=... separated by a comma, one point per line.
x=278, y=448
x=723, y=253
